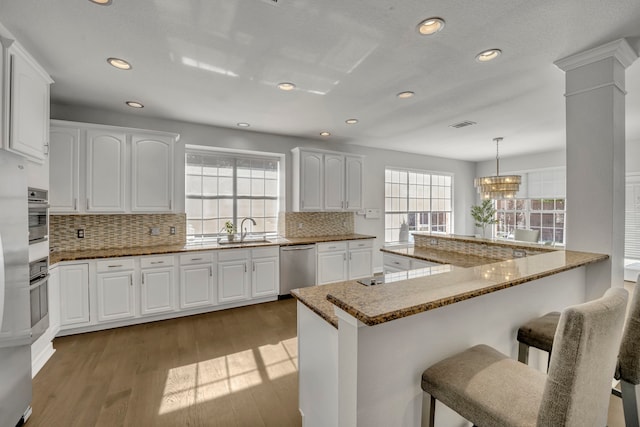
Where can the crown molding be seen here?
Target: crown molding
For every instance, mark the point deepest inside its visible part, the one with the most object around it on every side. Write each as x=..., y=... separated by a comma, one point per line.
x=618, y=49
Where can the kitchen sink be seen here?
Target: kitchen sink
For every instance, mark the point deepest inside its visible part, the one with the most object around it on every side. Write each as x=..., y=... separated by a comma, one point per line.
x=247, y=240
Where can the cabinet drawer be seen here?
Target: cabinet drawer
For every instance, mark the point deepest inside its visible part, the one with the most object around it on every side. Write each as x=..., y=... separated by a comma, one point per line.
x=397, y=262
x=332, y=246
x=273, y=251
x=156, y=261
x=196, y=258
x=361, y=244
x=233, y=254
x=115, y=264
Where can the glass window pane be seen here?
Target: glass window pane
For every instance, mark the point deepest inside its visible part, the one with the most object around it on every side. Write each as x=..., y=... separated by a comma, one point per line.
x=535, y=220
x=548, y=205
x=244, y=208
x=193, y=208
x=193, y=185
x=536, y=205
x=244, y=187
x=243, y=168
x=193, y=170
x=560, y=204
x=270, y=188
x=257, y=208
x=547, y=220
x=209, y=208
x=194, y=226
x=271, y=208
x=210, y=226
x=225, y=186
x=209, y=186
x=257, y=187
x=226, y=208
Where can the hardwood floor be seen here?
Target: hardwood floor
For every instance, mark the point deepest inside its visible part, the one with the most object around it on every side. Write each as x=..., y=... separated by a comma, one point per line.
x=234, y=367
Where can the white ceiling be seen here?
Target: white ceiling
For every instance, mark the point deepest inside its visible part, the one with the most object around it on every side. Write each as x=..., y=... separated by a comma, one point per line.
x=218, y=62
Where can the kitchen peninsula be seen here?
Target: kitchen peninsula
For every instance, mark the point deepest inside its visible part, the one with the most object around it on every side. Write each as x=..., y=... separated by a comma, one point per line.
x=362, y=348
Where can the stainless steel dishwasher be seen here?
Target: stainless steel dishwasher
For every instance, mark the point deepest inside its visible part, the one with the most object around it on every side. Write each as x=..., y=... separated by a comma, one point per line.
x=297, y=267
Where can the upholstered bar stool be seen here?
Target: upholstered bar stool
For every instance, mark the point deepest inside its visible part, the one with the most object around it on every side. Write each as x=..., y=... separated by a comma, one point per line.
x=489, y=389
x=539, y=333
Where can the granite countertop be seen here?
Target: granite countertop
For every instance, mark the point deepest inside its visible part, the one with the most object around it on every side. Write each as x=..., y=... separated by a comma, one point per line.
x=59, y=256
x=442, y=257
x=373, y=305
x=512, y=244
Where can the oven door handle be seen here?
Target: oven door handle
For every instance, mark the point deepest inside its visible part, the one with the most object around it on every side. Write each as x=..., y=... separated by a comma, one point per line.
x=39, y=282
x=34, y=205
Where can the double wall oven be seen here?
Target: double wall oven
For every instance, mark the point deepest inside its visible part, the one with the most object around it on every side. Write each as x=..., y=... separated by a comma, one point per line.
x=39, y=293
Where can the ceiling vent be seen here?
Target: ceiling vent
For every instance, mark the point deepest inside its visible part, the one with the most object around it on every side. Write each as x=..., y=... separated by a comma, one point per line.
x=462, y=124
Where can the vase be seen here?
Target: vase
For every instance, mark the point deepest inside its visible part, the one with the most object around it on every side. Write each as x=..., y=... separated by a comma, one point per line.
x=231, y=237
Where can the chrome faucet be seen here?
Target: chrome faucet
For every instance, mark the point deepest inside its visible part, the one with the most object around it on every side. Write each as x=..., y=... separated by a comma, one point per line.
x=243, y=229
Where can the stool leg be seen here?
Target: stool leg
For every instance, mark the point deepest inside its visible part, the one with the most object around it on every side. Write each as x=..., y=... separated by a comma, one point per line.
x=630, y=403
x=523, y=353
x=428, y=410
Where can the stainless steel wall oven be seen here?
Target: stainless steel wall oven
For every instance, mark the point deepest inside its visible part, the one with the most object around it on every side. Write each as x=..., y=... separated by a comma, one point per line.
x=38, y=215
x=39, y=292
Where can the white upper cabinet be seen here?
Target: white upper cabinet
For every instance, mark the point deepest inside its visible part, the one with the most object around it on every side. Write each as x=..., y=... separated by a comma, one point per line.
x=334, y=182
x=354, y=171
x=326, y=180
x=151, y=173
x=106, y=169
x=64, y=175
x=25, y=103
x=123, y=170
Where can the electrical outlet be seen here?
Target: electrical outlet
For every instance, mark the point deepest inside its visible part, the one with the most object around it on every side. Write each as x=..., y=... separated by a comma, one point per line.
x=344, y=223
x=154, y=231
x=172, y=230
x=299, y=226
x=80, y=233
x=433, y=241
x=519, y=253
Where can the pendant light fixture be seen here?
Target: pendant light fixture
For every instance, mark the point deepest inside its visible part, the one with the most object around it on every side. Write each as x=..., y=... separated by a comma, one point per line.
x=497, y=187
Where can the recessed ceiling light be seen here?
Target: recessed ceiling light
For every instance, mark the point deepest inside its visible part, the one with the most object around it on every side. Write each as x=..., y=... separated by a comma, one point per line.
x=488, y=55
x=325, y=134
x=286, y=86
x=134, y=104
x=101, y=2
x=430, y=26
x=120, y=64
x=243, y=125
x=351, y=121
x=405, y=95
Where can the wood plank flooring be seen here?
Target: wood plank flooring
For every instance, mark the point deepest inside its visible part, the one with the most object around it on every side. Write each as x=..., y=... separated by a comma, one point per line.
x=234, y=367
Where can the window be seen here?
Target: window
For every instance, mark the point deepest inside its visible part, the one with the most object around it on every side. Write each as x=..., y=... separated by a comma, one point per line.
x=421, y=199
x=546, y=215
x=222, y=187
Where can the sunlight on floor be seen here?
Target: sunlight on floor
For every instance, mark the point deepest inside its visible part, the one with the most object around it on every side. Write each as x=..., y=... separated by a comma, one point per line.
x=214, y=378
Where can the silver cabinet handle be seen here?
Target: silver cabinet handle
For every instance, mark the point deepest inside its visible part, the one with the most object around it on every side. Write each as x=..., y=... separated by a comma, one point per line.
x=344, y=257
x=170, y=204
x=210, y=271
x=332, y=247
x=157, y=262
x=131, y=280
x=245, y=267
x=347, y=204
x=75, y=204
x=114, y=266
x=254, y=266
x=87, y=203
x=396, y=262
x=196, y=259
x=142, y=277
x=350, y=256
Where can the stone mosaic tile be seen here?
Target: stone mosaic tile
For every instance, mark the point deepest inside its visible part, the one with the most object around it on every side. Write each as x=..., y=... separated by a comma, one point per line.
x=315, y=223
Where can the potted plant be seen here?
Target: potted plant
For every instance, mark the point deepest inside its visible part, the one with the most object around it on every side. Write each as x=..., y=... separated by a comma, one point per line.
x=230, y=229
x=483, y=215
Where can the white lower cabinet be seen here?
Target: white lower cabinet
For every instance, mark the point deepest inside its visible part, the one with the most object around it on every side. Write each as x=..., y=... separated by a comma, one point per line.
x=265, y=272
x=233, y=275
x=348, y=260
x=157, y=285
x=197, y=280
x=74, y=294
x=397, y=263
x=115, y=295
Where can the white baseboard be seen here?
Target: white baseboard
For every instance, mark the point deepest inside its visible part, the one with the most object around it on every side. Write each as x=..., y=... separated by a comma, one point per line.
x=40, y=359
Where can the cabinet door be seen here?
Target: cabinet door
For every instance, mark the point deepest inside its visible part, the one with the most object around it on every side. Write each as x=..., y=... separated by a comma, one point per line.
x=115, y=296
x=74, y=294
x=332, y=267
x=106, y=171
x=196, y=285
x=64, y=164
x=360, y=263
x=311, y=181
x=265, y=278
x=156, y=290
x=233, y=280
x=151, y=173
x=29, y=106
x=354, y=167
x=333, y=182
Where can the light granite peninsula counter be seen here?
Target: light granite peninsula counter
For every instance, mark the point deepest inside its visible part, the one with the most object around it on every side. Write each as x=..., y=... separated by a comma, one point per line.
x=362, y=349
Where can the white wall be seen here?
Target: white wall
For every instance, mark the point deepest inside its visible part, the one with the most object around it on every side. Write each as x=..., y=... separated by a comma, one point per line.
x=529, y=162
x=375, y=162
x=632, y=157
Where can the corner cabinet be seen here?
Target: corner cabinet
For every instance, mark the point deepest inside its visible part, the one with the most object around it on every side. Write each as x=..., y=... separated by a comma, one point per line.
x=74, y=294
x=25, y=103
x=124, y=170
x=327, y=181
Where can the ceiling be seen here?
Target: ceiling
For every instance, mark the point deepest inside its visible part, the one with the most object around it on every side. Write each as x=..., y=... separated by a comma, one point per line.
x=218, y=62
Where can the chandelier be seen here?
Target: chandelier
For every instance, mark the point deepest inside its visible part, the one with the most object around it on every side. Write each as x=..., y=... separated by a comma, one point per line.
x=497, y=187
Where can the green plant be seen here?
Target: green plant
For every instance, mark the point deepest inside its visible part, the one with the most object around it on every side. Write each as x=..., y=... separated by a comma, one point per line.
x=484, y=214
x=229, y=227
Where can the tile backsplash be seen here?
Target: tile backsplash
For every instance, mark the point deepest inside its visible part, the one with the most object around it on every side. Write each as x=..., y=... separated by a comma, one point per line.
x=312, y=224
x=115, y=231
x=483, y=249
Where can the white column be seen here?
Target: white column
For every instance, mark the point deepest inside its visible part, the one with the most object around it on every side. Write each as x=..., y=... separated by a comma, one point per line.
x=595, y=108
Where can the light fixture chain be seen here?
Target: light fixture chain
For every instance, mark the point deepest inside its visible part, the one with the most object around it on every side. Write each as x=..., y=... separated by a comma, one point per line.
x=497, y=140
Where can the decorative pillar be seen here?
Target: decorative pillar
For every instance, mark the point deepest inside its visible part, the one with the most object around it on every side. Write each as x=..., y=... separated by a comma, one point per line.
x=595, y=109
